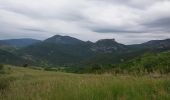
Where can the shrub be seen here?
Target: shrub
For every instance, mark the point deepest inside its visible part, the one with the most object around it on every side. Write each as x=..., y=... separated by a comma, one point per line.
x=2, y=71
x=25, y=65
x=1, y=67
x=96, y=67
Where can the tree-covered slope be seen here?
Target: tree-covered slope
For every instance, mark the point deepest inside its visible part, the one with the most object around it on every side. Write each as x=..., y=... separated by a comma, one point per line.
x=65, y=50
x=57, y=54
x=10, y=58
x=150, y=62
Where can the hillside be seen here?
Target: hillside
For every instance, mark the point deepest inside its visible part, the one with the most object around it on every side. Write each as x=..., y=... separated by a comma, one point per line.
x=57, y=54
x=10, y=58
x=149, y=62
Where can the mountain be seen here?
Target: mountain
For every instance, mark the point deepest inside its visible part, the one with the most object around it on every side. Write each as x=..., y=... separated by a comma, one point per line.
x=157, y=44
x=58, y=50
x=108, y=46
x=18, y=42
x=112, y=52
x=58, y=39
x=65, y=50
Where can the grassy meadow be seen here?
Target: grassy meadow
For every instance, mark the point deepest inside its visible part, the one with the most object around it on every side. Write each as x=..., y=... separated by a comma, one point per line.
x=18, y=83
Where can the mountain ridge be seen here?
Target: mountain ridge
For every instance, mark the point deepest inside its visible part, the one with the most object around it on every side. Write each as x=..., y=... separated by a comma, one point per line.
x=66, y=50
x=66, y=36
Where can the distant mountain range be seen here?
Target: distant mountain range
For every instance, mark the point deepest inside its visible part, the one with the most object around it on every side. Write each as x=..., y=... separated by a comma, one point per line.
x=68, y=51
x=18, y=42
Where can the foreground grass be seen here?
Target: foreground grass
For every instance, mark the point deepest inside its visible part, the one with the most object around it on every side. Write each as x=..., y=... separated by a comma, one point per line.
x=29, y=84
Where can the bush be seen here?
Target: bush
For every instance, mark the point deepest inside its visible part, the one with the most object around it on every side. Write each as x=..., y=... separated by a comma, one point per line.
x=1, y=67
x=2, y=71
x=25, y=65
x=96, y=67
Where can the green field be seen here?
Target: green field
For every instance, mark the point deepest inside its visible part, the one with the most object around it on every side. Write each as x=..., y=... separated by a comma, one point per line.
x=28, y=84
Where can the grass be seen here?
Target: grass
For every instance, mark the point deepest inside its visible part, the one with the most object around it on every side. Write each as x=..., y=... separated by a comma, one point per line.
x=30, y=84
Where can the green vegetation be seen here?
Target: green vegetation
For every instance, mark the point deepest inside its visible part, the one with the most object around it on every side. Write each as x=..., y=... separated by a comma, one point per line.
x=10, y=58
x=149, y=63
x=1, y=67
x=106, y=70
x=65, y=51
x=30, y=84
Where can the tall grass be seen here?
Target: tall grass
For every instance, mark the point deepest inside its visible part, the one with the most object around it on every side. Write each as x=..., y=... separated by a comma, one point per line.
x=32, y=84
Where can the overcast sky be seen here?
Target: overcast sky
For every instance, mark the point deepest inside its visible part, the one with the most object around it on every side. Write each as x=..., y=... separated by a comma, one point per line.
x=128, y=21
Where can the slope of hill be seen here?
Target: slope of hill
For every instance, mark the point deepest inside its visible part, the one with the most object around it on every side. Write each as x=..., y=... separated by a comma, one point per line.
x=57, y=54
x=149, y=62
x=8, y=48
x=10, y=58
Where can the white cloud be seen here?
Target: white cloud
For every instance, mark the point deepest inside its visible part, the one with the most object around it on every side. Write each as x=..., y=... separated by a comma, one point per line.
x=125, y=20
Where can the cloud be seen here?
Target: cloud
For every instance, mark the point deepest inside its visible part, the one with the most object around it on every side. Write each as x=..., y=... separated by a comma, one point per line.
x=161, y=25
x=33, y=30
x=125, y=20
x=112, y=30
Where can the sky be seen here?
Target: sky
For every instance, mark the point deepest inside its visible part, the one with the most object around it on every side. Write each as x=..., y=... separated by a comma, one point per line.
x=127, y=21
